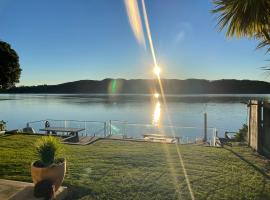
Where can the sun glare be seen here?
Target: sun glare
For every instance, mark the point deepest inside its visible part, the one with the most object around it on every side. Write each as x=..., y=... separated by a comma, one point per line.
x=157, y=70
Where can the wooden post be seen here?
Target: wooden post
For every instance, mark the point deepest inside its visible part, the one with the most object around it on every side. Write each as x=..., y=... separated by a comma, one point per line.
x=248, y=123
x=260, y=129
x=205, y=127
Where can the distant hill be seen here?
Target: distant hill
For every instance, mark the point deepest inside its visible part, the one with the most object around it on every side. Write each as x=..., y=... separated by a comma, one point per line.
x=145, y=86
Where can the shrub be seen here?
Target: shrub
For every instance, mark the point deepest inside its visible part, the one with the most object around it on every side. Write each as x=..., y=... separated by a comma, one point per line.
x=2, y=125
x=47, y=148
x=242, y=134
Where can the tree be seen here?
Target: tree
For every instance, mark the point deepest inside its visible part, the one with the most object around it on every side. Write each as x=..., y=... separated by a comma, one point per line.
x=10, y=70
x=241, y=136
x=245, y=18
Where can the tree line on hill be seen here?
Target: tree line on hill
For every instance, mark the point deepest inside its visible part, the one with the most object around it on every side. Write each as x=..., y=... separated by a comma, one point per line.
x=146, y=86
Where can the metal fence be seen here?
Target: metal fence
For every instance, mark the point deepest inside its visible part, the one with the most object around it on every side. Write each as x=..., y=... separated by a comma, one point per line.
x=91, y=128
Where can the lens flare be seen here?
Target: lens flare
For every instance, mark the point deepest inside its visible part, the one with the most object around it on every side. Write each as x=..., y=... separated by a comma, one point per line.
x=156, y=95
x=157, y=70
x=149, y=33
x=115, y=86
x=135, y=20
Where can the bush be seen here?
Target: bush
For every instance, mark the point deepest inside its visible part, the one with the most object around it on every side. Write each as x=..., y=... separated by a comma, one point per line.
x=2, y=125
x=242, y=134
x=47, y=148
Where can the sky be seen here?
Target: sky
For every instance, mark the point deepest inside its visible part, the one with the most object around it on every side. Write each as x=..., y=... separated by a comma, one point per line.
x=66, y=40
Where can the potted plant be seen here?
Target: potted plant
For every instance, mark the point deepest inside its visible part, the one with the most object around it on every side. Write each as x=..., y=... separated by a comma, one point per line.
x=2, y=125
x=48, y=167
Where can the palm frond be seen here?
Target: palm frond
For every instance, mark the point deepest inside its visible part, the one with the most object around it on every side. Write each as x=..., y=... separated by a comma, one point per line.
x=242, y=17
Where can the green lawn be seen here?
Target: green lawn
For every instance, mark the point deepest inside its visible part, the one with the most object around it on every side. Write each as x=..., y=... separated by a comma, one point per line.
x=111, y=169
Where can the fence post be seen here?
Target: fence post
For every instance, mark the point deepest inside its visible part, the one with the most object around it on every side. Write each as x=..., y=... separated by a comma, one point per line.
x=214, y=137
x=205, y=127
x=110, y=127
x=124, y=129
x=85, y=128
x=105, y=129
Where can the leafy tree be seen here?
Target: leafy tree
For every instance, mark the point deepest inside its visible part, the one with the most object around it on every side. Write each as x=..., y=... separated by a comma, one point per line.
x=10, y=70
x=245, y=18
x=242, y=134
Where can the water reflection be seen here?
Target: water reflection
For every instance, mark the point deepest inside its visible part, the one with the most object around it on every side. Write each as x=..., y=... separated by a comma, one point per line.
x=157, y=112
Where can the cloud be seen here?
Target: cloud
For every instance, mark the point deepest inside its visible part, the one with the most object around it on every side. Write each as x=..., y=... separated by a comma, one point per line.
x=182, y=31
x=180, y=36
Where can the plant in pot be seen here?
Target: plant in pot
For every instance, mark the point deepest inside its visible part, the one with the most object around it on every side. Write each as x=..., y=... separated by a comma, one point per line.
x=2, y=125
x=48, y=167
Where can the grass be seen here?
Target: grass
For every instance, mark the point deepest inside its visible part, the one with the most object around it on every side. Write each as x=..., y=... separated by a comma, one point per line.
x=132, y=170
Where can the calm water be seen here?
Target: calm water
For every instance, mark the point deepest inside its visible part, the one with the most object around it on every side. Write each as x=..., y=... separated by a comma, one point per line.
x=225, y=112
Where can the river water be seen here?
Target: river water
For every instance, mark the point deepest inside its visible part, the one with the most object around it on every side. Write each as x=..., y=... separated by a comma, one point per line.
x=224, y=112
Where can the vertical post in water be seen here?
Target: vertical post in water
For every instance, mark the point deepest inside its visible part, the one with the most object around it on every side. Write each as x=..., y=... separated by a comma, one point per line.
x=205, y=128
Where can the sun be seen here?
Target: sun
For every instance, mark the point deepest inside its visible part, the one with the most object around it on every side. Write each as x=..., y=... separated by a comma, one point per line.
x=157, y=70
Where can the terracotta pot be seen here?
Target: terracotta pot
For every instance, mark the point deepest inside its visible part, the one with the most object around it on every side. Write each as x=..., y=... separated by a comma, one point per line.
x=54, y=173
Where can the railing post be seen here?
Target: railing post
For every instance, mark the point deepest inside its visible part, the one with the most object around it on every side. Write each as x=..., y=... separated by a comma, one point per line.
x=105, y=127
x=124, y=129
x=214, y=137
x=85, y=128
x=110, y=127
x=205, y=128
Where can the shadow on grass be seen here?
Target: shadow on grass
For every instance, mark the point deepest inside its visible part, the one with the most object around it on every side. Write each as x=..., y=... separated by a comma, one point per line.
x=78, y=192
x=265, y=175
x=264, y=194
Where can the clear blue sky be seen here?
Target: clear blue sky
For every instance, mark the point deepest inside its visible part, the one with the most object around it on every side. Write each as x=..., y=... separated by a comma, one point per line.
x=67, y=40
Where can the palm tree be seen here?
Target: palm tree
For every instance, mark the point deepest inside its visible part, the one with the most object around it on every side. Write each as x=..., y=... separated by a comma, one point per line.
x=245, y=18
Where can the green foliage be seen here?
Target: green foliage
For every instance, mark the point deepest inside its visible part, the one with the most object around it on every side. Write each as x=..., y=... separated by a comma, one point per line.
x=47, y=148
x=2, y=125
x=242, y=134
x=245, y=18
x=10, y=70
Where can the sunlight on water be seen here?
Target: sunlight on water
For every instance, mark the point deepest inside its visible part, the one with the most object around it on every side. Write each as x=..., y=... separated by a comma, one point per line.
x=156, y=115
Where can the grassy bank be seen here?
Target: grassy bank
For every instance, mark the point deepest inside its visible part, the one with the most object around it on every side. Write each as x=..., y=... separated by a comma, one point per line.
x=133, y=170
